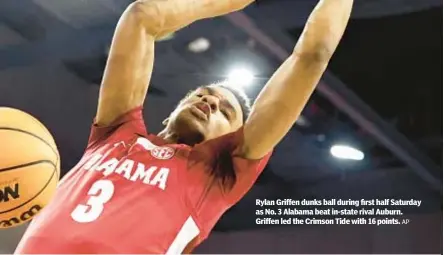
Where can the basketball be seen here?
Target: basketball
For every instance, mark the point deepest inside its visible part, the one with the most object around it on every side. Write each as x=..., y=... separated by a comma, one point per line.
x=29, y=167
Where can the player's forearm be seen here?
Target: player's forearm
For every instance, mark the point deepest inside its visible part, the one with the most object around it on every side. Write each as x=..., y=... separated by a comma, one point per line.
x=324, y=28
x=161, y=17
x=286, y=93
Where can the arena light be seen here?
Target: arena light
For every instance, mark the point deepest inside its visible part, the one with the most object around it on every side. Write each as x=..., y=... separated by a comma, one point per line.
x=302, y=121
x=346, y=152
x=240, y=76
x=199, y=45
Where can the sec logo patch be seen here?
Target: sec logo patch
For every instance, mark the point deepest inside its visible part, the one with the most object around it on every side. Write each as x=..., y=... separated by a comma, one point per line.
x=162, y=152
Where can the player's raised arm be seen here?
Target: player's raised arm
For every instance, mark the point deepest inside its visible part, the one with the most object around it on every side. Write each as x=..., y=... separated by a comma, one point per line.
x=281, y=101
x=130, y=62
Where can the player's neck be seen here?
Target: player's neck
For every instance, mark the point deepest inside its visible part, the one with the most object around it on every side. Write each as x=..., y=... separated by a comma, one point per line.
x=173, y=137
x=169, y=137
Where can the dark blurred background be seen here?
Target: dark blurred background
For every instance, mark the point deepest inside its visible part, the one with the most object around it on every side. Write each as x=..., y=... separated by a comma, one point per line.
x=382, y=96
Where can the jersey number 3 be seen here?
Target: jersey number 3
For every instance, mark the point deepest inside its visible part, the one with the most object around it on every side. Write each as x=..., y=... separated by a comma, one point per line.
x=100, y=192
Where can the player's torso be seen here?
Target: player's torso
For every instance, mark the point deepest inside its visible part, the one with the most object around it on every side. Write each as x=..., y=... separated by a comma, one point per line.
x=127, y=194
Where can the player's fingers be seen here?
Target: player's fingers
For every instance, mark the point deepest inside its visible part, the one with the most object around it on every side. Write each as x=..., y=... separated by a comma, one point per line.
x=177, y=14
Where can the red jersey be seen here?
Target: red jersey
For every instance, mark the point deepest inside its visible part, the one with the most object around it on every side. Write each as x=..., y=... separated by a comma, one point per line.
x=133, y=193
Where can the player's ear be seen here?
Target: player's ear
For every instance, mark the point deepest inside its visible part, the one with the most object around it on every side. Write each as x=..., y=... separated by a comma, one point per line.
x=165, y=121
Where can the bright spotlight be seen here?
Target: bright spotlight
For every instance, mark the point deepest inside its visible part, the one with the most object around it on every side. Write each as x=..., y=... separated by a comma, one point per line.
x=242, y=77
x=199, y=45
x=346, y=152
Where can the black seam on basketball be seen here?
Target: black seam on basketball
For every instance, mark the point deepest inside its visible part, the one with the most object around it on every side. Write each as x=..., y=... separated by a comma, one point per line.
x=26, y=165
x=55, y=167
x=54, y=170
x=31, y=134
x=38, y=137
x=55, y=151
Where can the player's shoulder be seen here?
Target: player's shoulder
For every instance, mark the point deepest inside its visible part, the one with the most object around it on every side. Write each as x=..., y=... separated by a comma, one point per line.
x=126, y=126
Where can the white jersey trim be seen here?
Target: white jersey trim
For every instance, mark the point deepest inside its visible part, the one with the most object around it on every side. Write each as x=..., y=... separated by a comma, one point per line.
x=186, y=234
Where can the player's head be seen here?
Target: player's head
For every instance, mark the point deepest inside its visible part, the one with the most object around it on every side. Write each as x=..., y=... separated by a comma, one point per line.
x=208, y=112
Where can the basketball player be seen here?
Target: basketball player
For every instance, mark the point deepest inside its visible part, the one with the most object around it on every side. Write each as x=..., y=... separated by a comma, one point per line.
x=137, y=192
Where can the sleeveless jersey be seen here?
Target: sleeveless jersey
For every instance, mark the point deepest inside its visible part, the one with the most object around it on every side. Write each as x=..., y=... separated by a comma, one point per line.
x=133, y=193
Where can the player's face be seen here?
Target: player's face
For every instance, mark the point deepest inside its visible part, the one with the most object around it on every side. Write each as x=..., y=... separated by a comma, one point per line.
x=210, y=111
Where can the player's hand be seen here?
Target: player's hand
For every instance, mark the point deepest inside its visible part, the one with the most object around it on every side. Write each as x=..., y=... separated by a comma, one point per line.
x=172, y=15
x=213, y=8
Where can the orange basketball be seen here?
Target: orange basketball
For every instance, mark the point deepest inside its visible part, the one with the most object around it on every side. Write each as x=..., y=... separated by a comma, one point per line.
x=29, y=167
